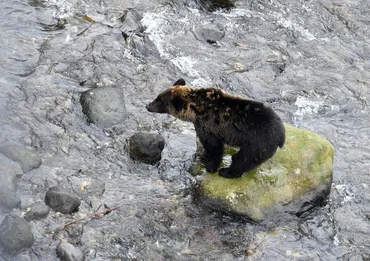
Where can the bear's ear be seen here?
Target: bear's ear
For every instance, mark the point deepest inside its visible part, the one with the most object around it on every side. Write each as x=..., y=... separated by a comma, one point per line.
x=178, y=103
x=180, y=82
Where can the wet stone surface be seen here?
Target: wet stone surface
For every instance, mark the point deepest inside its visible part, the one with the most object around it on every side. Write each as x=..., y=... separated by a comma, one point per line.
x=15, y=234
x=27, y=157
x=68, y=252
x=309, y=60
x=8, y=185
x=37, y=210
x=104, y=106
x=61, y=200
x=146, y=147
x=210, y=33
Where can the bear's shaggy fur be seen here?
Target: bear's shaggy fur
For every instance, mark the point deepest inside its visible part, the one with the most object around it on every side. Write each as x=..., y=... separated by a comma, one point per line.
x=220, y=118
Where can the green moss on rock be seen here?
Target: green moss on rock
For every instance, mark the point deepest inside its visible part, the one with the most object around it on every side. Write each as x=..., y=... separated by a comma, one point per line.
x=298, y=173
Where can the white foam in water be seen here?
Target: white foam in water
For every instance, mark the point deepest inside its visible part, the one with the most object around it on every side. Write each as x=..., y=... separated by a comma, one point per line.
x=155, y=24
x=294, y=27
x=65, y=8
x=306, y=106
x=185, y=64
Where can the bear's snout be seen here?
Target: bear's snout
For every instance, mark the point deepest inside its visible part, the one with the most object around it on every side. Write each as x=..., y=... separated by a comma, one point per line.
x=157, y=106
x=150, y=107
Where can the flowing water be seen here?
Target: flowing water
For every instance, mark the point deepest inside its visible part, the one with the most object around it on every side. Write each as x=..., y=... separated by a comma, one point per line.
x=310, y=60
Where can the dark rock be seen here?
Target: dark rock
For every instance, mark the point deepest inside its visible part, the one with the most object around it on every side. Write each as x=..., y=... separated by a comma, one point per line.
x=210, y=33
x=27, y=157
x=38, y=210
x=104, y=106
x=212, y=5
x=146, y=147
x=68, y=252
x=15, y=234
x=61, y=200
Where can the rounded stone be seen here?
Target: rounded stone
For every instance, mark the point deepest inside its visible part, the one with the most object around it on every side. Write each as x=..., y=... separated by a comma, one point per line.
x=295, y=180
x=146, y=147
x=27, y=157
x=61, y=200
x=15, y=234
x=210, y=32
x=38, y=210
x=68, y=252
x=104, y=106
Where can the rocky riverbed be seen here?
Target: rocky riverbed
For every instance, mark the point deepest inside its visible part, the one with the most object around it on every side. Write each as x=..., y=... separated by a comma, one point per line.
x=309, y=60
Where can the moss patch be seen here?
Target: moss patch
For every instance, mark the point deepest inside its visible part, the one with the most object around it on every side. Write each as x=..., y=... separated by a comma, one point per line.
x=302, y=165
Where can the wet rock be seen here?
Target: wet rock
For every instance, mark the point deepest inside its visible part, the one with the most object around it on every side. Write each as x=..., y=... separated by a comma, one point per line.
x=9, y=165
x=27, y=157
x=131, y=22
x=8, y=198
x=8, y=187
x=75, y=233
x=68, y=252
x=15, y=234
x=212, y=5
x=295, y=180
x=104, y=106
x=38, y=210
x=210, y=32
x=8, y=178
x=61, y=200
x=146, y=147
x=96, y=188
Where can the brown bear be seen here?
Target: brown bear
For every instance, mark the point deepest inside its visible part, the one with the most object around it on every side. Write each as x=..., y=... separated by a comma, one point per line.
x=220, y=118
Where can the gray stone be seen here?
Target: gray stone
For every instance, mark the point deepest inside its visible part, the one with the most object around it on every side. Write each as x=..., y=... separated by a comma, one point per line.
x=104, y=106
x=15, y=234
x=9, y=199
x=68, y=252
x=38, y=210
x=61, y=200
x=146, y=147
x=8, y=187
x=8, y=178
x=210, y=32
x=9, y=165
x=27, y=157
x=131, y=22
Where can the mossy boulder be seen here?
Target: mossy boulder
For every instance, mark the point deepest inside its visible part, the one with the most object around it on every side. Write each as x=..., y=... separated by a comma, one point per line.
x=295, y=180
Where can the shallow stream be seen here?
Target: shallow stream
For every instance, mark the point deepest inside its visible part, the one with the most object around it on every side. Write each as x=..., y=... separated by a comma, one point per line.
x=309, y=60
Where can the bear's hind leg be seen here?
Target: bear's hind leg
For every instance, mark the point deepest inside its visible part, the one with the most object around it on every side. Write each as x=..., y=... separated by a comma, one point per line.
x=242, y=162
x=213, y=152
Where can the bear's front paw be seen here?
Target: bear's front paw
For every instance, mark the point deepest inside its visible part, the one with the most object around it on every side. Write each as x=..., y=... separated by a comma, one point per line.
x=227, y=173
x=211, y=166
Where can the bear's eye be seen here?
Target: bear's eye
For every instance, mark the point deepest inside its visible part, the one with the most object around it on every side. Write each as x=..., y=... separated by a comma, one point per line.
x=178, y=103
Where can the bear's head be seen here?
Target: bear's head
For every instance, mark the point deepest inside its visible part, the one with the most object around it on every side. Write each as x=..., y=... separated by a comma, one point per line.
x=174, y=101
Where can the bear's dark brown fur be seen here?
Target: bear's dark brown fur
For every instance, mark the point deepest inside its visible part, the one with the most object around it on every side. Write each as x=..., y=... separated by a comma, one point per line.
x=220, y=118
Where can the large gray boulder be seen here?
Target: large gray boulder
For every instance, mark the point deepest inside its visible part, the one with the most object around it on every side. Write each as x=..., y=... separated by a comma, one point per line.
x=27, y=157
x=104, y=106
x=15, y=234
